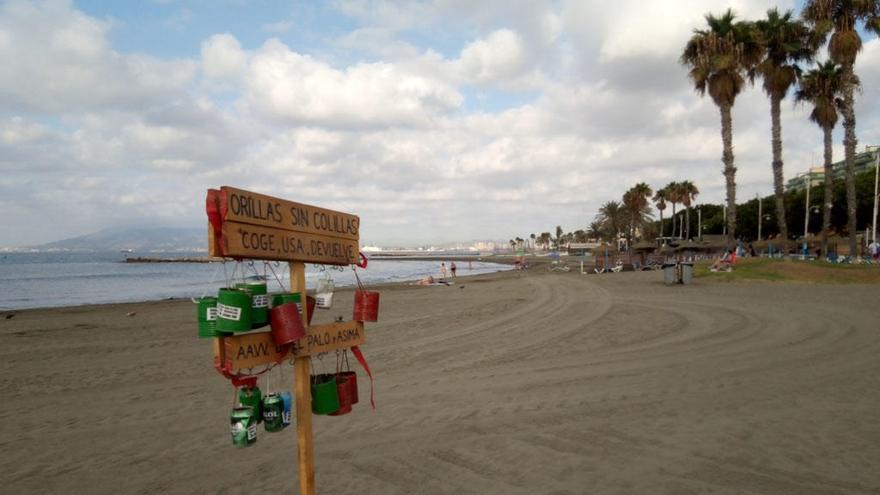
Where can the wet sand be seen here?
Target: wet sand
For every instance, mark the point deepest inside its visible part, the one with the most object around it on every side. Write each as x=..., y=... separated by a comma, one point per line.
x=520, y=382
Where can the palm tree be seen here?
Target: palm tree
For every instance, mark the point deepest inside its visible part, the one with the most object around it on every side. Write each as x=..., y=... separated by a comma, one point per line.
x=612, y=216
x=671, y=190
x=595, y=230
x=637, y=200
x=545, y=240
x=687, y=192
x=532, y=237
x=660, y=203
x=558, y=236
x=822, y=87
x=630, y=204
x=840, y=19
x=719, y=59
x=785, y=42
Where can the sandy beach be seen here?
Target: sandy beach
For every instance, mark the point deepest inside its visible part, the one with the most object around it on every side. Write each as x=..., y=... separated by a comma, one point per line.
x=517, y=382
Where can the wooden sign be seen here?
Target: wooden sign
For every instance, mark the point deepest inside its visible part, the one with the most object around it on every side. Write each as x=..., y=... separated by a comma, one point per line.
x=254, y=349
x=239, y=240
x=247, y=225
x=248, y=350
x=258, y=209
x=326, y=338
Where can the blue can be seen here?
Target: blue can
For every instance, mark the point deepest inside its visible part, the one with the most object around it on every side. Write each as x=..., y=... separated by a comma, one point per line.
x=287, y=401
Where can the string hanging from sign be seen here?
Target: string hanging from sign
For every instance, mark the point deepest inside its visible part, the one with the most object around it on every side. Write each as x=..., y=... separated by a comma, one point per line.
x=277, y=279
x=211, y=283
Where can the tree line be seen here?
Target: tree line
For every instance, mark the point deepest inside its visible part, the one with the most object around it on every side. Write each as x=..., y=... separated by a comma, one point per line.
x=729, y=53
x=781, y=51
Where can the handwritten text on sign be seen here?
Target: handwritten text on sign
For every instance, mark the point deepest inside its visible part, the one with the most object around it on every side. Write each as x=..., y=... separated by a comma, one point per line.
x=251, y=241
x=251, y=349
x=258, y=209
x=256, y=349
x=325, y=338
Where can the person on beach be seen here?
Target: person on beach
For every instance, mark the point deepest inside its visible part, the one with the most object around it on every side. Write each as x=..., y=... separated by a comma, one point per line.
x=874, y=249
x=442, y=271
x=722, y=264
x=452, y=268
x=426, y=281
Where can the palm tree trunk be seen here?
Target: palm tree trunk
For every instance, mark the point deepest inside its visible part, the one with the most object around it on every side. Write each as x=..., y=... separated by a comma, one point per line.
x=672, y=232
x=687, y=222
x=778, y=183
x=829, y=192
x=849, y=145
x=661, y=221
x=729, y=170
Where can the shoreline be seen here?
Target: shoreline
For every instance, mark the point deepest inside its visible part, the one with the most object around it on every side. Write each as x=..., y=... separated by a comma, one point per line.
x=346, y=288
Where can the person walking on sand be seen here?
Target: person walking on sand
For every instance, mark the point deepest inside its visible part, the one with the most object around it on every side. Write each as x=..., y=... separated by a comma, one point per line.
x=442, y=271
x=452, y=269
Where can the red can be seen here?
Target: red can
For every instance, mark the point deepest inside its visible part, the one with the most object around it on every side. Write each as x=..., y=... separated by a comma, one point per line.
x=286, y=323
x=366, y=306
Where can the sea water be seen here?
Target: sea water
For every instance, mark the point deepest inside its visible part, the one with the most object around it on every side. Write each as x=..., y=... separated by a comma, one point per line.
x=33, y=280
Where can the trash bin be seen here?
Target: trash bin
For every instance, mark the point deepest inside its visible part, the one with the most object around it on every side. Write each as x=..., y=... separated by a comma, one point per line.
x=669, y=275
x=687, y=273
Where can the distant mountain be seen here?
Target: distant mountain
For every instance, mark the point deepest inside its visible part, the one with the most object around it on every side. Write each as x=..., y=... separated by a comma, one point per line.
x=135, y=239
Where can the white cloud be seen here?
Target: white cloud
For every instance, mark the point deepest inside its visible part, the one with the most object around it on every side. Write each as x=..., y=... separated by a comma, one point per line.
x=16, y=131
x=499, y=56
x=223, y=58
x=298, y=89
x=57, y=60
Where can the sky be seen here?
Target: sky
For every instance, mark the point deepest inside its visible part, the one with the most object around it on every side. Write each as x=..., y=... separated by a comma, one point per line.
x=434, y=121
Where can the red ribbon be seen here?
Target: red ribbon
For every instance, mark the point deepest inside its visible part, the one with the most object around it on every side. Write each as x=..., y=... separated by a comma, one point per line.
x=360, y=357
x=215, y=217
x=363, y=261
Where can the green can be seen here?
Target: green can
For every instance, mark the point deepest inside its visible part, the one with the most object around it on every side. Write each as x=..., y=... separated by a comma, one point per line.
x=287, y=297
x=233, y=311
x=207, y=315
x=252, y=397
x=325, y=396
x=243, y=426
x=273, y=411
x=259, y=300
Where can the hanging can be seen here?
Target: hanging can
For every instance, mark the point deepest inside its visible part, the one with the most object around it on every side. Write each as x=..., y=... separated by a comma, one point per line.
x=351, y=378
x=207, y=316
x=310, y=303
x=243, y=426
x=325, y=397
x=366, y=306
x=273, y=410
x=288, y=297
x=233, y=311
x=252, y=397
x=259, y=300
x=286, y=323
x=343, y=388
x=287, y=401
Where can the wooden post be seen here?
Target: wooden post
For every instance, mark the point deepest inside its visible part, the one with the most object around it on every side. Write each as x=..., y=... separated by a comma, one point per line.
x=303, y=392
